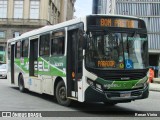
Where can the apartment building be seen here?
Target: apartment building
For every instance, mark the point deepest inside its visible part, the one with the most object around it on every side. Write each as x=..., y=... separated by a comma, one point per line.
x=149, y=10
x=19, y=16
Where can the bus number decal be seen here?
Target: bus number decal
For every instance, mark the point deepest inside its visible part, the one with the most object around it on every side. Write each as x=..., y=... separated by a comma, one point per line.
x=106, y=63
x=106, y=22
x=58, y=64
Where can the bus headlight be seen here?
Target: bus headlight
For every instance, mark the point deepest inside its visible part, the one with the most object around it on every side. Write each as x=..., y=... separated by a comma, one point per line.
x=146, y=81
x=99, y=86
x=94, y=84
x=90, y=82
x=145, y=84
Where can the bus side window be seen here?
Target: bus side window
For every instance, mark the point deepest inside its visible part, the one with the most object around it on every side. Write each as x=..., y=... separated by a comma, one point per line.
x=44, y=47
x=57, y=43
x=18, y=49
x=9, y=51
x=24, y=50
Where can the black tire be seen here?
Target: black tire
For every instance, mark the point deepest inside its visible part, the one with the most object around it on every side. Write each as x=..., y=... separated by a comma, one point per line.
x=21, y=84
x=61, y=94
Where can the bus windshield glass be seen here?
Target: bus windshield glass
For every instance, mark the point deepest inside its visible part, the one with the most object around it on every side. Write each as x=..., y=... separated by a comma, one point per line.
x=117, y=50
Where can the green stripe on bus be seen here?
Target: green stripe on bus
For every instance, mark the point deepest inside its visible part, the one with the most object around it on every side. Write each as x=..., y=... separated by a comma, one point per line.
x=48, y=69
x=121, y=85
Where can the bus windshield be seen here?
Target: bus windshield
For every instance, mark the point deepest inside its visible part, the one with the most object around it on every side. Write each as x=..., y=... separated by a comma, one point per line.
x=117, y=50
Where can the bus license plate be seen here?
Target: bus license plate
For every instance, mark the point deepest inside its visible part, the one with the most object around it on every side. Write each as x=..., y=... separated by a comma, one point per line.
x=125, y=94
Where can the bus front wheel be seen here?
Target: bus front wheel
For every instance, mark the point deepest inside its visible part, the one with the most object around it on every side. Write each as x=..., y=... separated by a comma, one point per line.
x=21, y=84
x=61, y=94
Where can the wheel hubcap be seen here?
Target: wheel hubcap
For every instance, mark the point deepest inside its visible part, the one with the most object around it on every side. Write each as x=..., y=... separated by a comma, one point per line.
x=62, y=93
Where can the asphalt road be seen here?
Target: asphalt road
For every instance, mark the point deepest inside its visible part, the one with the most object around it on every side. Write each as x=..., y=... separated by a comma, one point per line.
x=13, y=100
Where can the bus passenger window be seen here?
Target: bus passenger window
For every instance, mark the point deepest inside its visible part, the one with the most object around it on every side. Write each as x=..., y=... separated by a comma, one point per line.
x=24, y=51
x=9, y=51
x=58, y=46
x=18, y=50
x=57, y=43
x=44, y=45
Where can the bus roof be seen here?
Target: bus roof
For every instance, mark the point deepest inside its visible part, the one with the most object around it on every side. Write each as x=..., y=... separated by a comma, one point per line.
x=45, y=29
x=60, y=25
x=115, y=15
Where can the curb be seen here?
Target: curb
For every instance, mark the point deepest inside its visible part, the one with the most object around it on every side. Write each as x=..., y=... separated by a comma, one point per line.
x=156, y=80
x=154, y=87
x=155, y=90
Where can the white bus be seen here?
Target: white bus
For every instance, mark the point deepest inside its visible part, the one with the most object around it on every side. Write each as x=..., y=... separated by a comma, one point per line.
x=97, y=58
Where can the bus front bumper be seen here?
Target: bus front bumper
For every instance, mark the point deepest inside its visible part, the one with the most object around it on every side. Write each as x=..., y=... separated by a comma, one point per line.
x=93, y=95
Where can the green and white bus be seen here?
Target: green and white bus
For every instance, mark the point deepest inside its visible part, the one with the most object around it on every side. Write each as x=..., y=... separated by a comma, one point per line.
x=97, y=58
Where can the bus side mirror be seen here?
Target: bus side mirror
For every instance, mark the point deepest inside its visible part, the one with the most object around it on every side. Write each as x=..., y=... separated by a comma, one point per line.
x=85, y=39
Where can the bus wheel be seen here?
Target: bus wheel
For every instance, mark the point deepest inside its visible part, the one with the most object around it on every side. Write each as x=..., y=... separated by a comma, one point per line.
x=61, y=94
x=21, y=84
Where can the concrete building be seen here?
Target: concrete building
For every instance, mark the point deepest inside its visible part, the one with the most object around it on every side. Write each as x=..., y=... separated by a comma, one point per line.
x=19, y=16
x=103, y=7
x=149, y=10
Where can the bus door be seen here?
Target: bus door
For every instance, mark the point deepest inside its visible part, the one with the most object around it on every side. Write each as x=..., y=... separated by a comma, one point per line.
x=33, y=58
x=12, y=63
x=74, y=65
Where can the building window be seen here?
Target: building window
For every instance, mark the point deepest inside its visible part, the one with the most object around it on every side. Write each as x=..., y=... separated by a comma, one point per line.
x=34, y=9
x=18, y=8
x=16, y=34
x=3, y=8
x=2, y=34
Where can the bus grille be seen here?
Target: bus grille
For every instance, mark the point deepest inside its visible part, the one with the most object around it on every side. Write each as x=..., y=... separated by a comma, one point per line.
x=136, y=93
x=122, y=75
x=117, y=94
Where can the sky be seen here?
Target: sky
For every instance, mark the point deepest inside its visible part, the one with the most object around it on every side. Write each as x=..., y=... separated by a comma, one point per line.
x=83, y=7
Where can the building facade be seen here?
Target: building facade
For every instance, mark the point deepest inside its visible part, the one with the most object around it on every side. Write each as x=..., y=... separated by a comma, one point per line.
x=19, y=16
x=103, y=7
x=148, y=10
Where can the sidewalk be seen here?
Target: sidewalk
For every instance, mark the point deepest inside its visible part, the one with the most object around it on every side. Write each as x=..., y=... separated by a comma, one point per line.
x=154, y=87
x=156, y=80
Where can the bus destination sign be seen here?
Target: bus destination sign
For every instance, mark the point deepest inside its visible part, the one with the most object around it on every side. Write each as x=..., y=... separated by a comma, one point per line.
x=116, y=22
x=127, y=23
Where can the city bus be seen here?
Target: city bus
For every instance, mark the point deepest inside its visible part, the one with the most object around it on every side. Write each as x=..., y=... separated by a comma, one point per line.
x=96, y=58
